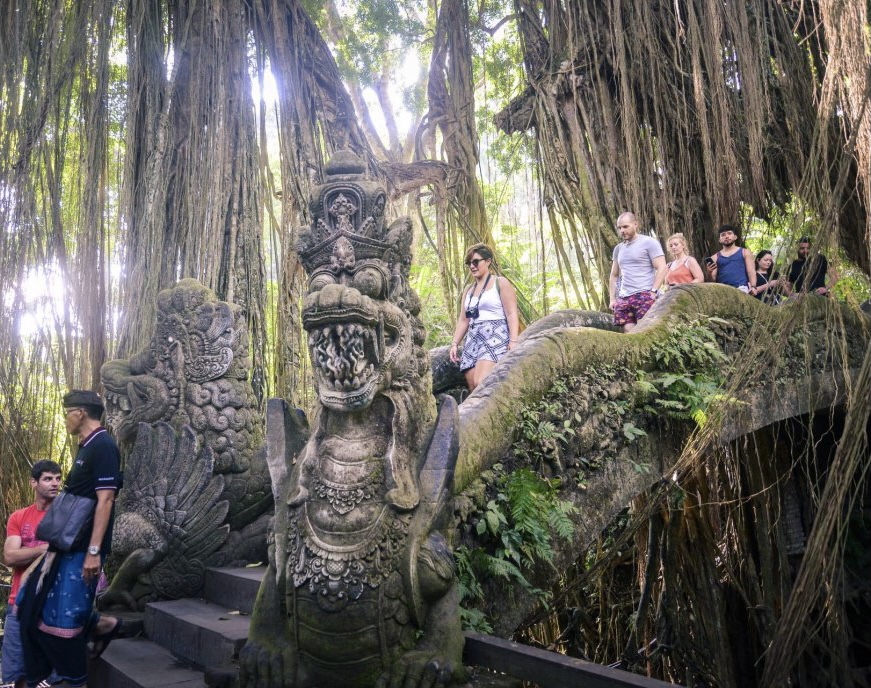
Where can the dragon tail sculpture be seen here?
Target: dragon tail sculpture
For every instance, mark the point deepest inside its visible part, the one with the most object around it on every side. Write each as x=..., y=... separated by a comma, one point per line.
x=171, y=518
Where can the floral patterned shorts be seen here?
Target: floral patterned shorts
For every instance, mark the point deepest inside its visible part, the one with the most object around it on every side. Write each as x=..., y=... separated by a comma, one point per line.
x=632, y=308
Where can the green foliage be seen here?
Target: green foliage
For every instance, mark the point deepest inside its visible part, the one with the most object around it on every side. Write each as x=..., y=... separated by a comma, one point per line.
x=691, y=347
x=470, y=560
x=374, y=34
x=547, y=437
x=692, y=360
x=853, y=285
x=516, y=528
x=631, y=433
x=438, y=320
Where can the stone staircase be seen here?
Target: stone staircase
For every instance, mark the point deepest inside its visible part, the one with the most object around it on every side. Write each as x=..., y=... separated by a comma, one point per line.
x=184, y=636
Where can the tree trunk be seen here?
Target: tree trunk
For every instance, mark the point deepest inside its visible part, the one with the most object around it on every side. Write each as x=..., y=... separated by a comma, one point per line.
x=193, y=192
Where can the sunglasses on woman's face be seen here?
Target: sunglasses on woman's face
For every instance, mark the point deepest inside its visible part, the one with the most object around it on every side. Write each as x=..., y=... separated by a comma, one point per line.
x=474, y=262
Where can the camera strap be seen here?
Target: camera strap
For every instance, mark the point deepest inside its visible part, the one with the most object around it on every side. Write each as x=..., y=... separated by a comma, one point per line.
x=480, y=294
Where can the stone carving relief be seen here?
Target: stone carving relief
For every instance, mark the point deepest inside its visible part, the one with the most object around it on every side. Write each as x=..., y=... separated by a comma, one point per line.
x=361, y=586
x=191, y=379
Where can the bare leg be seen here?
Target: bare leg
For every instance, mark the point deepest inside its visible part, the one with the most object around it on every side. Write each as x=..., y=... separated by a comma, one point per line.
x=482, y=369
x=628, y=327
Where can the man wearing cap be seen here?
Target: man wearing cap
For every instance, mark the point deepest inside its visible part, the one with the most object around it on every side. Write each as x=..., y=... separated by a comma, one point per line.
x=57, y=615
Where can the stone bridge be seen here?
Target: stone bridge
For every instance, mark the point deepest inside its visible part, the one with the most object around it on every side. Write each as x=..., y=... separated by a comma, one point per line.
x=608, y=413
x=613, y=413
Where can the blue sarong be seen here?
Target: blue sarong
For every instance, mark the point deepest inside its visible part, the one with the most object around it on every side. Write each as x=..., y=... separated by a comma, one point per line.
x=56, y=611
x=70, y=601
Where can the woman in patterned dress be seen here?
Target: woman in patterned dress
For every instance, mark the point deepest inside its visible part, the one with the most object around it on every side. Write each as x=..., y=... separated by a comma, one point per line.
x=488, y=318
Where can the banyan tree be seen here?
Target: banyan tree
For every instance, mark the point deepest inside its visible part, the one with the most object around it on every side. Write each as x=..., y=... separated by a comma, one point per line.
x=140, y=144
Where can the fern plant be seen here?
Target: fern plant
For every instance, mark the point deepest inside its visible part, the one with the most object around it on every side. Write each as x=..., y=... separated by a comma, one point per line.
x=692, y=377
x=516, y=528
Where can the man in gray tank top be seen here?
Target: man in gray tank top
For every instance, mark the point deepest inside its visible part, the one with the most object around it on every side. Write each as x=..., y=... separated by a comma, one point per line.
x=639, y=265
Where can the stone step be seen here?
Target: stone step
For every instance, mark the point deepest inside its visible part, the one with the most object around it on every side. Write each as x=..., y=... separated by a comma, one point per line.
x=200, y=632
x=234, y=588
x=139, y=663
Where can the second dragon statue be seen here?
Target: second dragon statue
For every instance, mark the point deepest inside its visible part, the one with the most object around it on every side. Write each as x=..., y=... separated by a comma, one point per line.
x=196, y=484
x=361, y=588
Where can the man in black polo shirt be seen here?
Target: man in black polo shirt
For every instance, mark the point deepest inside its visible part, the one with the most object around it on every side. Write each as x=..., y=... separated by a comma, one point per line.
x=809, y=274
x=58, y=616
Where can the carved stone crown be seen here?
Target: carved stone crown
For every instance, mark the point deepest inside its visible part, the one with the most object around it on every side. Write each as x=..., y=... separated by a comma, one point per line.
x=348, y=212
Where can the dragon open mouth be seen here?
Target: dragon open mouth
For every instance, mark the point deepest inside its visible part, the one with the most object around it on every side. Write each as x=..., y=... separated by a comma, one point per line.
x=345, y=355
x=120, y=401
x=132, y=398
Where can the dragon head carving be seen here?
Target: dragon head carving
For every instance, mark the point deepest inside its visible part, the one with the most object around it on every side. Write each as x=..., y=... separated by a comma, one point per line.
x=193, y=371
x=361, y=589
x=361, y=316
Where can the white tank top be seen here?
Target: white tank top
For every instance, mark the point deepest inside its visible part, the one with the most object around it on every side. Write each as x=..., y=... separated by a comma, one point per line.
x=490, y=307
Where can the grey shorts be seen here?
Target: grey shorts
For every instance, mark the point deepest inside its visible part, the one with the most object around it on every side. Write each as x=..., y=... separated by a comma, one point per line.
x=486, y=340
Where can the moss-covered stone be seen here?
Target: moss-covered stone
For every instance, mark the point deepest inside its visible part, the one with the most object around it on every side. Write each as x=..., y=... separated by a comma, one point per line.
x=621, y=420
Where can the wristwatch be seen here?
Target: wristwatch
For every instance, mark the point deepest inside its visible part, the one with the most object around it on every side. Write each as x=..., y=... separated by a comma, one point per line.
x=94, y=550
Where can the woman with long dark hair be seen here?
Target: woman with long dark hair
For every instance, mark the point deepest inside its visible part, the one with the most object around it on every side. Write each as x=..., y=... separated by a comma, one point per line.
x=488, y=318
x=768, y=283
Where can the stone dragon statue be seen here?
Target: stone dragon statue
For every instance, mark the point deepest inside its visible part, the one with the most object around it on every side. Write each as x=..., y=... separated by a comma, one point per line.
x=361, y=587
x=191, y=381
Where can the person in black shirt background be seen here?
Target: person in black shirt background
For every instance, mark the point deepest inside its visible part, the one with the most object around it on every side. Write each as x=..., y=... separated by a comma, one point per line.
x=812, y=275
x=57, y=616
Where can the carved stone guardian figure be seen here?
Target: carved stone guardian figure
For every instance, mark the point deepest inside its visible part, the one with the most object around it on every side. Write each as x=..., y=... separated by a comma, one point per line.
x=361, y=588
x=196, y=490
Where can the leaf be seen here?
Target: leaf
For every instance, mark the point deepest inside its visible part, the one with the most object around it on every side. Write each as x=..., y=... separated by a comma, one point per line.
x=492, y=521
x=700, y=417
x=631, y=433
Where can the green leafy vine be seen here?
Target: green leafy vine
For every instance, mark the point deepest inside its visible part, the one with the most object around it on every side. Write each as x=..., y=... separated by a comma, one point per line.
x=516, y=529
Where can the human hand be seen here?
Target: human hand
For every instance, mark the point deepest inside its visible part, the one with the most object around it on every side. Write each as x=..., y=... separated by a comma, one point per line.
x=91, y=567
x=453, y=354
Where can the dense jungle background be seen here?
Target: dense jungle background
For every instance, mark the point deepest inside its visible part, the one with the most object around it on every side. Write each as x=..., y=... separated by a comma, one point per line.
x=146, y=141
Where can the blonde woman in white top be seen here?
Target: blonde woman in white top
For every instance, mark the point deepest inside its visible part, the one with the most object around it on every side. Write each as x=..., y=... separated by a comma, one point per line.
x=488, y=318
